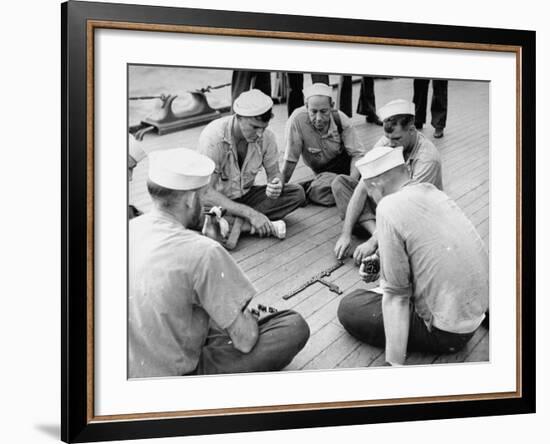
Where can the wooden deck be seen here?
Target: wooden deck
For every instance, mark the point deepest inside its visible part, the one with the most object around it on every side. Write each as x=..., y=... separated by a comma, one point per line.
x=275, y=266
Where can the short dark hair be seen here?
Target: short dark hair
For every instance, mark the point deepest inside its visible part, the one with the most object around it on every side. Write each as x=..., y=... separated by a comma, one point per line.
x=265, y=117
x=403, y=120
x=165, y=197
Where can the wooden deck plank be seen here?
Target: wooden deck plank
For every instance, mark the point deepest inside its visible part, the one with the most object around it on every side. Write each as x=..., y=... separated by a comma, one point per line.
x=305, y=231
x=481, y=351
x=330, y=356
x=297, y=222
x=316, y=344
x=362, y=356
x=299, y=252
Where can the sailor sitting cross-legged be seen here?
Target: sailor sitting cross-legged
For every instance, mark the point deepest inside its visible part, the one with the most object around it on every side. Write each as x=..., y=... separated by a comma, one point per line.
x=325, y=140
x=434, y=267
x=188, y=298
x=240, y=145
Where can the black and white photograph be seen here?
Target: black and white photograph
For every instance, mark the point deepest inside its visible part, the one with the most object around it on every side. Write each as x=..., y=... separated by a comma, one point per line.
x=302, y=221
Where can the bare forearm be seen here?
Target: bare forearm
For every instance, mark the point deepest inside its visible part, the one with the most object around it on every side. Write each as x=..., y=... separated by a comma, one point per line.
x=275, y=175
x=288, y=170
x=354, y=210
x=395, y=310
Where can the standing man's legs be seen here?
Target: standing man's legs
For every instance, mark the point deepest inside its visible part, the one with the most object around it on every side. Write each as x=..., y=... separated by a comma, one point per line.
x=439, y=106
x=367, y=101
x=319, y=78
x=420, y=99
x=295, y=96
x=344, y=95
x=281, y=336
x=243, y=80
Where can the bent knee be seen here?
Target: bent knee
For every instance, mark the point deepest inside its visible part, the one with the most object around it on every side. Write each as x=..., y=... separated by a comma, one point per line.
x=296, y=192
x=297, y=328
x=338, y=184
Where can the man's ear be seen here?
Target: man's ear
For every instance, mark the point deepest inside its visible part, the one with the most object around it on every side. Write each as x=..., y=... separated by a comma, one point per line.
x=188, y=198
x=331, y=103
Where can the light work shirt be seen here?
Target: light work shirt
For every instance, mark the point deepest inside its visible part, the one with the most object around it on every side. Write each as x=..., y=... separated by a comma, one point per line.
x=179, y=282
x=424, y=161
x=431, y=253
x=218, y=142
x=316, y=149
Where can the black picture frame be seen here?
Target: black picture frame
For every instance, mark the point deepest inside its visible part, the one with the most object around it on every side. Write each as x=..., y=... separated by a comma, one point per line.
x=77, y=421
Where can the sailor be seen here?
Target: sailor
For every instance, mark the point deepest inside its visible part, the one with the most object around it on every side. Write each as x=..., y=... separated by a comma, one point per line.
x=187, y=296
x=135, y=155
x=434, y=286
x=326, y=141
x=240, y=145
x=354, y=203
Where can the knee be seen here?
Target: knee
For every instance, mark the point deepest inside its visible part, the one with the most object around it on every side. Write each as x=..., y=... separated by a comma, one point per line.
x=297, y=329
x=338, y=184
x=360, y=314
x=347, y=310
x=296, y=192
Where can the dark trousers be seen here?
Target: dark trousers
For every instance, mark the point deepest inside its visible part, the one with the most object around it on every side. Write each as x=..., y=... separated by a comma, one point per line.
x=295, y=95
x=244, y=80
x=292, y=197
x=439, y=102
x=360, y=312
x=367, y=103
x=282, y=336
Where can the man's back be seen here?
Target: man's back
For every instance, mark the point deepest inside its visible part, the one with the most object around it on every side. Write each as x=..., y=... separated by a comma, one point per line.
x=178, y=281
x=430, y=249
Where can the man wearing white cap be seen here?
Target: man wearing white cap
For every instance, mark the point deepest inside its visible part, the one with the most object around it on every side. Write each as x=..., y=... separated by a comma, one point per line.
x=434, y=267
x=135, y=155
x=326, y=141
x=187, y=296
x=240, y=145
x=354, y=203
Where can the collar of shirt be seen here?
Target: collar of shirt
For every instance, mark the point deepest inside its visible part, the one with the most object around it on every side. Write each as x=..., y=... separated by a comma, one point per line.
x=414, y=151
x=229, y=139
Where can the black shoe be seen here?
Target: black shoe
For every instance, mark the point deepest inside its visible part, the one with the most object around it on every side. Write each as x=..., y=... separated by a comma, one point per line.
x=374, y=119
x=438, y=133
x=419, y=126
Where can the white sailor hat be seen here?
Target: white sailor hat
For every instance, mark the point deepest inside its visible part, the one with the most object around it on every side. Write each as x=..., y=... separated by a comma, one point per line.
x=317, y=89
x=136, y=151
x=252, y=103
x=379, y=160
x=394, y=108
x=180, y=169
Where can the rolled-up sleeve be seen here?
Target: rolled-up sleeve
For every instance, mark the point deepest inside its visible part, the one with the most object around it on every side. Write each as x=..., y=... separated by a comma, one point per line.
x=350, y=139
x=293, y=140
x=209, y=146
x=222, y=289
x=394, y=261
x=427, y=172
